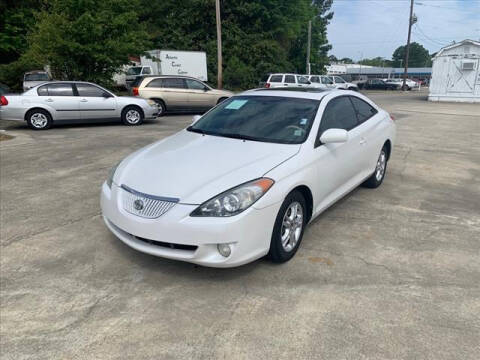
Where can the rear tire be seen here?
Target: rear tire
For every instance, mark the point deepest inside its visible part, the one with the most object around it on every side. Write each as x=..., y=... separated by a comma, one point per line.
x=161, y=107
x=289, y=228
x=132, y=116
x=39, y=119
x=378, y=175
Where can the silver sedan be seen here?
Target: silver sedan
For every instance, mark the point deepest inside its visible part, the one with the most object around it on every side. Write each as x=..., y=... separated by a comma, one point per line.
x=47, y=103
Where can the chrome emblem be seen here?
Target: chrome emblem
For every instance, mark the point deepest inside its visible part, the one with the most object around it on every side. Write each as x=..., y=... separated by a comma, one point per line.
x=138, y=205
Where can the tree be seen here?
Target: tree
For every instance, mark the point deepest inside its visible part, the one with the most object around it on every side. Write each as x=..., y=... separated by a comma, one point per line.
x=418, y=56
x=377, y=61
x=87, y=40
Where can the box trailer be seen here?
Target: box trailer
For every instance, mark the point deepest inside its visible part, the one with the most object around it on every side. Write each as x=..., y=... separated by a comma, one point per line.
x=173, y=62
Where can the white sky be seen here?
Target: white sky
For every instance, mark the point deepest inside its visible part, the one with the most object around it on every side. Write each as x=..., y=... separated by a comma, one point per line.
x=369, y=28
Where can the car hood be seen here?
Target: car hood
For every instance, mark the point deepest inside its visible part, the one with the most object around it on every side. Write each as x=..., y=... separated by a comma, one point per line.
x=195, y=168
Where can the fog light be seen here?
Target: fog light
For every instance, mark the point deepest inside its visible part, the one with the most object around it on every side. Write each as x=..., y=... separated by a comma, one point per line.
x=224, y=250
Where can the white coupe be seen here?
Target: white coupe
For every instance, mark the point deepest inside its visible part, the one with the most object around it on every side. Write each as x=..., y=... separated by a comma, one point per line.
x=245, y=179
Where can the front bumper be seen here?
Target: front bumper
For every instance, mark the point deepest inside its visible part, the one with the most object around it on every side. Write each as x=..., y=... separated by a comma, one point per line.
x=191, y=239
x=150, y=112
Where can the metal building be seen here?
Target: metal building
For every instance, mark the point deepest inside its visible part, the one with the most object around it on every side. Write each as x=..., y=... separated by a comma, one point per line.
x=456, y=73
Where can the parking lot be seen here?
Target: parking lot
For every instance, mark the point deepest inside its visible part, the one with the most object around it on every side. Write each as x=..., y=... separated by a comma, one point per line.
x=384, y=274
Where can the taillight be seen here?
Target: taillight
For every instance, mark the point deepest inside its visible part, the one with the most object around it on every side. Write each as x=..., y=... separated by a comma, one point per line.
x=392, y=117
x=135, y=91
x=3, y=100
x=267, y=85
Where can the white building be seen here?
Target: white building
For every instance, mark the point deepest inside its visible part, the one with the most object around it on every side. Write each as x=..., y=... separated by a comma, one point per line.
x=340, y=68
x=456, y=73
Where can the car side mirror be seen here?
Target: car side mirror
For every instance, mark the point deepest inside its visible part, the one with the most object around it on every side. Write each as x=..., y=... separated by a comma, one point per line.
x=206, y=89
x=334, y=136
x=195, y=118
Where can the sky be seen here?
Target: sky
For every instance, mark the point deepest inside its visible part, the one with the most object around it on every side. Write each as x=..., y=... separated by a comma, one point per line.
x=370, y=28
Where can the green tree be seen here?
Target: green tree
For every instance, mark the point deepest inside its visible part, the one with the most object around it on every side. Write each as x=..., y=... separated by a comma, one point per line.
x=418, y=56
x=86, y=39
x=377, y=61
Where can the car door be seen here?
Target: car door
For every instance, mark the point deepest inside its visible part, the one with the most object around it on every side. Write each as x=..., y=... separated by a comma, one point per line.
x=175, y=93
x=60, y=97
x=370, y=131
x=95, y=102
x=200, y=96
x=337, y=163
x=289, y=80
x=302, y=81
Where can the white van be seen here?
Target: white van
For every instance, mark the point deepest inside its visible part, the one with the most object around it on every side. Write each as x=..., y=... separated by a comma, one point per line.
x=290, y=80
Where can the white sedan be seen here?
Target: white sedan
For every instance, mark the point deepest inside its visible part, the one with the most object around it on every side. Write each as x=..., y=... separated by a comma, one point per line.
x=245, y=179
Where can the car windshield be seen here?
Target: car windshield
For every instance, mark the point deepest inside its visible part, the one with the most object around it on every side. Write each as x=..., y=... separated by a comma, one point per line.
x=36, y=77
x=134, y=70
x=273, y=119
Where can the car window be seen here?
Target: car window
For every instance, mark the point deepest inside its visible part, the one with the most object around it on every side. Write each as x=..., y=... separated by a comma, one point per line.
x=290, y=79
x=326, y=81
x=175, y=83
x=134, y=70
x=60, y=90
x=156, y=83
x=338, y=114
x=274, y=119
x=276, y=78
x=302, y=80
x=36, y=77
x=42, y=91
x=87, y=90
x=364, y=110
x=315, y=79
x=146, y=71
x=338, y=79
x=194, y=84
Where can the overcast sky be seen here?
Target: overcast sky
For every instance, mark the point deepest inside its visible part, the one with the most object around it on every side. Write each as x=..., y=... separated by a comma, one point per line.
x=370, y=28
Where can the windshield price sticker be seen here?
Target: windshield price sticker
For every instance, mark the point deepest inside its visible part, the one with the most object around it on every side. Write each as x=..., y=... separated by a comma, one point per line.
x=236, y=104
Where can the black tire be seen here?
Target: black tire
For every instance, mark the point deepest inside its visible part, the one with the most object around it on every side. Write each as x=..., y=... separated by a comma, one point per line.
x=132, y=116
x=162, y=109
x=39, y=119
x=221, y=100
x=280, y=253
x=376, y=179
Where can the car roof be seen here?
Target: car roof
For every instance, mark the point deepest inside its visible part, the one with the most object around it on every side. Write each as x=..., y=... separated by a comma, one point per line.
x=294, y=92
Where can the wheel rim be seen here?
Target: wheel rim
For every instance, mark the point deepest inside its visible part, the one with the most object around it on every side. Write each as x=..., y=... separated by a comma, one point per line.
x=160, y=108
x=132, y=116
x=381, y=164
x=292, y=226
x=38, y=120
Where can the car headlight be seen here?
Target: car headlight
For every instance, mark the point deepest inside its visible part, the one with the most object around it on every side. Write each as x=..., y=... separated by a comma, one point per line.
x=111, y=174
x=151, y=103
x=235, y=200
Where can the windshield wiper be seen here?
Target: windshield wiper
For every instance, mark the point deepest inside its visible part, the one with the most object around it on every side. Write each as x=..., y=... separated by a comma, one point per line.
x=237, y=136
x=200, y=131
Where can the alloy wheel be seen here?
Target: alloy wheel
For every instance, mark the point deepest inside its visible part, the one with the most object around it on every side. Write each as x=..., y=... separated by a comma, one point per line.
x=132, y=116
x=292, y=225
x=38, y=120
x=381, y=165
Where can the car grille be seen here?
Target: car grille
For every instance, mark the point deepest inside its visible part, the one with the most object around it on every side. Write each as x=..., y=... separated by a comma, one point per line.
x=168, y=245
x=144, y=205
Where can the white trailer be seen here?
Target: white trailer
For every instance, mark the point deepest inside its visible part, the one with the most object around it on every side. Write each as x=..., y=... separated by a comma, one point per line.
x=172, y=62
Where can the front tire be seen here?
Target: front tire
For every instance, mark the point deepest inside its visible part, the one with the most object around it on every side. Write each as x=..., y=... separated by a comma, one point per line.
x=378, y=175
x=161, y=107
x=132, y=116
x=39, y=119
x=288, y=229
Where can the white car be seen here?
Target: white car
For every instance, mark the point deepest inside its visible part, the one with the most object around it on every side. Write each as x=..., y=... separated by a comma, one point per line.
x=66, y=101
x=399, y=82
x=290, y=80
x=322, y=79
x=340, y=83
x=245, y=179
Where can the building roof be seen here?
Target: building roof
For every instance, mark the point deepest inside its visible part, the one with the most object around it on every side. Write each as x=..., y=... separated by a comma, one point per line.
x=461, y=43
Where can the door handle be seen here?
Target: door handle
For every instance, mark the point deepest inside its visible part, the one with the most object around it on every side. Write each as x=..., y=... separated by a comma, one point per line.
x=49, y=100
x=84, y=100
x=363, y=141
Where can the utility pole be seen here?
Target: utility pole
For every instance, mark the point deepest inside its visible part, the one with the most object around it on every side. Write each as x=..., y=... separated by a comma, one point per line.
x=407, y=50
x=309, y=40
x=219, y=45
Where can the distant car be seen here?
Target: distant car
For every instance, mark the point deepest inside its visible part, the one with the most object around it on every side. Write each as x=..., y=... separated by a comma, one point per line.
x=322, y=79
x=379, y=84
x=134, y=71
x=34, y=78
x=44, y=104
x=410, y=84
x=245, y=179
x=4, y=89
x=178, y=93
x=290, y=80
x=340, y=83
